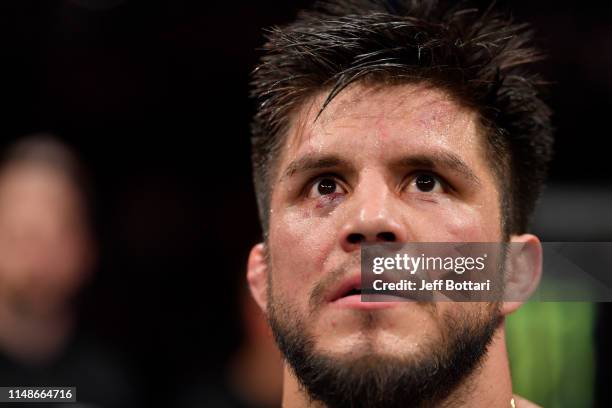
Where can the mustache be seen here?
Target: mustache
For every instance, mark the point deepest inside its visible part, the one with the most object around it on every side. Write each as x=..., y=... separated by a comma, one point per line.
x=321, y=288
x=331, y=279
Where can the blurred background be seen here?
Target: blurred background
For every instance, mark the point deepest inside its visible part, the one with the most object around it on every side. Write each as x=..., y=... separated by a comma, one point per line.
x=148, y=104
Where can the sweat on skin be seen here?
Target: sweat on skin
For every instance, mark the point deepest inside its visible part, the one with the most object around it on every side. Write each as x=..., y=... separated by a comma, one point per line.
x=374, y=142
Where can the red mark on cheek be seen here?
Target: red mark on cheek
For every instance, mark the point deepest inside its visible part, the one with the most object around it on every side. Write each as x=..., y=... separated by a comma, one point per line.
x=329, y=199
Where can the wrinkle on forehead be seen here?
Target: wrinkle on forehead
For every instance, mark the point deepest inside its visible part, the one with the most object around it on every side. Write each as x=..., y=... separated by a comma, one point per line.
x=417, y=96
x=432, y=110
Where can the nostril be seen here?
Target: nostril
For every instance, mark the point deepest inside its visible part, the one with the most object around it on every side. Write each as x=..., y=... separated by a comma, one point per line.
x=386, y=236
x=355, y=238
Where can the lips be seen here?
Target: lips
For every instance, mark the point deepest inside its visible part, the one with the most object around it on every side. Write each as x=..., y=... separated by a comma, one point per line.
x=350, y=286
x=347, y=295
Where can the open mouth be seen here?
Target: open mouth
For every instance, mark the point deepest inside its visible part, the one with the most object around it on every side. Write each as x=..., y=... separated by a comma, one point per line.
x=354, y=291
x=349, y=287
x=349, y=294
x=371, y=293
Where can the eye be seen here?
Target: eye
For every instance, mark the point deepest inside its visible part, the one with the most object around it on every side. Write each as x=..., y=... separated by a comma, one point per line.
x=325, y=186
x=426, y=183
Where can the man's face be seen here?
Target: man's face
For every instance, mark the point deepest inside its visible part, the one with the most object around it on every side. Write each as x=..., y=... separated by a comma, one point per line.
x=403, y=163
x=388, y=164
x=44, y=252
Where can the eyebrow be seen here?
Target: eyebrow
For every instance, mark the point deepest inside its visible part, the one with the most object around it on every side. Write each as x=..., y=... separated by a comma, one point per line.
x=313, y=161
x=429, y=161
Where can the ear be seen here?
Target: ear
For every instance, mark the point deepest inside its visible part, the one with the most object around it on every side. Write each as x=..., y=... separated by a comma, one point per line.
x=257, y=275
x=524, y=267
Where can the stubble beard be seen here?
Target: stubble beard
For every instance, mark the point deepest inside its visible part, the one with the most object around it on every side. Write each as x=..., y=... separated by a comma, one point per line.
x=368, y=378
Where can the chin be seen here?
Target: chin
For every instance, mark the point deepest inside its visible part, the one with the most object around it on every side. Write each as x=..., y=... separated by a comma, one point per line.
x=382, y=336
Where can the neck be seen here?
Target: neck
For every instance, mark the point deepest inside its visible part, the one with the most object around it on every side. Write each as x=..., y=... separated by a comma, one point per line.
x=30, y=337
x=488, y=386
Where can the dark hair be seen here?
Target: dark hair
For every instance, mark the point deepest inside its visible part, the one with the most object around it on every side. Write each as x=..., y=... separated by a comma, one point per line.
x=481, y=58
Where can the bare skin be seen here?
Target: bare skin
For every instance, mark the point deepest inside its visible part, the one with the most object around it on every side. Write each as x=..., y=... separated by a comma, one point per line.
x=45, y=256
x=374, y=144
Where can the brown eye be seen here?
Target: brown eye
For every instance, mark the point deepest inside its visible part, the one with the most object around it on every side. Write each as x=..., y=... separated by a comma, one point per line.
x=426, y=183
x=325, y=186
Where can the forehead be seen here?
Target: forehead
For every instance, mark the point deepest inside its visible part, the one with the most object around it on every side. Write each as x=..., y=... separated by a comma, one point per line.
x=26, y=187
x=384, y=121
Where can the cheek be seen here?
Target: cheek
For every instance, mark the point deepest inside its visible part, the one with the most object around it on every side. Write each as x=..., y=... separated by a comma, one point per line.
x=452, y=221
x=471, y=224
x=472, y=313
x=300, y=243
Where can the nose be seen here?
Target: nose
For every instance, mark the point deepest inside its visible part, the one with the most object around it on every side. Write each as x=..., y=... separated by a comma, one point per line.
x=372, y=217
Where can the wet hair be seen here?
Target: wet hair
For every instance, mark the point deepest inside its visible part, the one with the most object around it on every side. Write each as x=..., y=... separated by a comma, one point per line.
x=481, y=58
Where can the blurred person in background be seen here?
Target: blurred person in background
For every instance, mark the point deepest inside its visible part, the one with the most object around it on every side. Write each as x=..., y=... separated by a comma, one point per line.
x=47, y=254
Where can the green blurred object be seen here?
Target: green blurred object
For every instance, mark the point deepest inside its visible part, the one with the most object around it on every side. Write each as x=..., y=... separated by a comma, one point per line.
x=552, y=355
